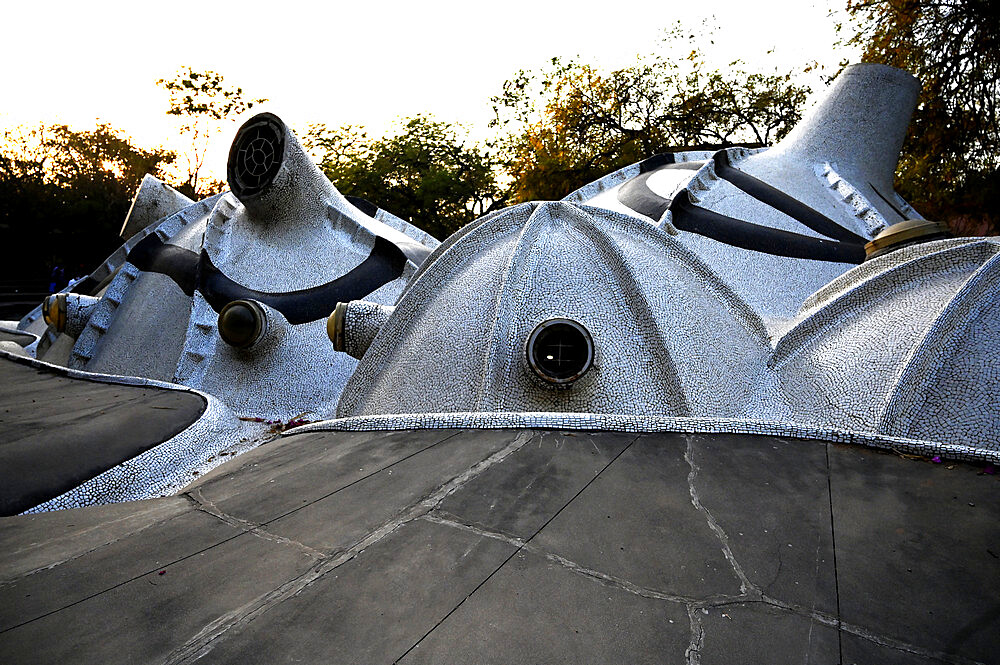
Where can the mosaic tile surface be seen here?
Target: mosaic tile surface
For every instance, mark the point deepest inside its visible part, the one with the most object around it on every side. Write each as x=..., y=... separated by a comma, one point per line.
x=289, y=242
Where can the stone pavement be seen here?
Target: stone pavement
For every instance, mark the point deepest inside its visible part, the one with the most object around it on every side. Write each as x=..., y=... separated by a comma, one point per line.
x=503, y=546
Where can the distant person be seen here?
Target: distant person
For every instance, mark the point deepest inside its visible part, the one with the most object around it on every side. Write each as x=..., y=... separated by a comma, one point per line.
x=81, y=271
x=56, y=278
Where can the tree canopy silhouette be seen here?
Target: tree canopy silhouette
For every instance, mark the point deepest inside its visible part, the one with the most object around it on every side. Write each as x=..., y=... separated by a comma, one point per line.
x=949, y=166
x=423, y=173
x=570, y=123
x=64, y=194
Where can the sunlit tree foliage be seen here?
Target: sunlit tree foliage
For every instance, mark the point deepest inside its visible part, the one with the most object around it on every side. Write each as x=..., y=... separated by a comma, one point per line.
x=202, y=102
x=949, y=167
x=424, y=173
x=570, y=123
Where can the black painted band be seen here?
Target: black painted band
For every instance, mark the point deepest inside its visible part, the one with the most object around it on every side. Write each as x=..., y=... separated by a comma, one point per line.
x=384, y=264
x=191, y=271
x=782, y=202
x=888, y=202
x=364, y=205
x=153, y=255
x=637, y=195
x=738, y=233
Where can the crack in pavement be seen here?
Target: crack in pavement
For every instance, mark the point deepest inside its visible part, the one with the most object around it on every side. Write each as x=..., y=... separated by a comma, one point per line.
x=253, y=528
x=595, y=575
x=692, y=655
x=697, y=608
x=201, y=644
x=746, y=586
x=519, y=549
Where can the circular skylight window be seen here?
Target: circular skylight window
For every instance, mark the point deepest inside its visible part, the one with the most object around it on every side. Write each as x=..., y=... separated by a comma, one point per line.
x=560, y=351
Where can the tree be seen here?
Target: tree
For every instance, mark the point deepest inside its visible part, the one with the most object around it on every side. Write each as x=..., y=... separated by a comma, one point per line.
x=203, y=102
x=570, y=123
x=64, y=194
x=949, y=166
x=423, y=173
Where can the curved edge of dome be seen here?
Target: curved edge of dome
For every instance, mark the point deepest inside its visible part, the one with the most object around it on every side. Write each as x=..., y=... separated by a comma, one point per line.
x=163, y=469
x=863, y=294
x=630, y=423
x=931, y=356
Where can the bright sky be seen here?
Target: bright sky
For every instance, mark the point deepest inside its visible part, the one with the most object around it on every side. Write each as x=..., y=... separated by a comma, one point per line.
x=364, y=62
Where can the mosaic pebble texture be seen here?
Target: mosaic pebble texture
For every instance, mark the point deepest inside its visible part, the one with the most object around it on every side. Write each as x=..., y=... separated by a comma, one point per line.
x=473, y=309
x=900, y=348
x=295, y=236
x=153, y=201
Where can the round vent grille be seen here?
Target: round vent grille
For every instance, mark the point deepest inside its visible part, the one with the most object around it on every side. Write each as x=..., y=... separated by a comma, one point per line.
x=256, y=155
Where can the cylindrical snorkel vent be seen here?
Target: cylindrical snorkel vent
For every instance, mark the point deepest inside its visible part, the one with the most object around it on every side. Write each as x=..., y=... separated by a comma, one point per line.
x=353, y=325
x=54, y=311
x=256, y=156
x=68, y=312
x=242, y=324
x=560, y=351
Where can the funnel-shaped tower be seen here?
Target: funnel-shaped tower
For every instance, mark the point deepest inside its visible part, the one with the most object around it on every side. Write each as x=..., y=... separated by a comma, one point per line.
x=231, y=296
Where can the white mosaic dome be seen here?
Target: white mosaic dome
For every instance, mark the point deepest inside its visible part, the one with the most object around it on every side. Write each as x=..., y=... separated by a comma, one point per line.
x=667, y=336
x=284, y=240
x=899, y=351
x=904, y=345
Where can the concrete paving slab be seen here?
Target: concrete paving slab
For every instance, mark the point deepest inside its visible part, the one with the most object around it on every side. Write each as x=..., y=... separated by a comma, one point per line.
x=516, y=498
x=112, y=565
x=772, y=500
x=41, y=540
x=284, y=475
x=538, y=610
x=918, y=553
x=640, y=511
x=148, y=618
x=373, y=608
x=680, y=506
x=57, y=432
x=861, y=651
x=751, y=634
x=343, y=517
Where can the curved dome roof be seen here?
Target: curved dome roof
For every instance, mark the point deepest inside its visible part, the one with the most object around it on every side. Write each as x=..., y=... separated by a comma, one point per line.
x=904, y=345
x=668, y=337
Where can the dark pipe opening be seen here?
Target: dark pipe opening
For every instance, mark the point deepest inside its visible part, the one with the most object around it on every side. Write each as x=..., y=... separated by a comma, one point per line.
x=256, y=155
x=560, y=351
x=241, y=324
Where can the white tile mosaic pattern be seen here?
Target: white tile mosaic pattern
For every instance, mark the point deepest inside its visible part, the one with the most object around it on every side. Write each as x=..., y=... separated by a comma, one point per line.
x=648, y=423
x=901, y=351
x=669, y=336
x=298, y=234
